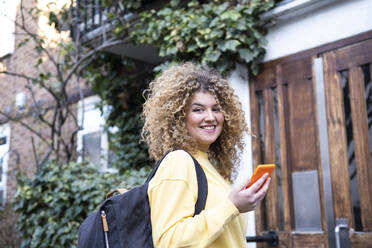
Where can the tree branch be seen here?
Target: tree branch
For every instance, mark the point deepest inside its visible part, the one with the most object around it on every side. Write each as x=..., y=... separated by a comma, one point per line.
x=26, y=126
x=42, y=84
x=38, y=108
x=92, y=52
x=34, y=152
x=38, y=40
x=46, y=157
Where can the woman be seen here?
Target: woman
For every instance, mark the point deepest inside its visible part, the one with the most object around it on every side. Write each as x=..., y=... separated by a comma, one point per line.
x=196, y=110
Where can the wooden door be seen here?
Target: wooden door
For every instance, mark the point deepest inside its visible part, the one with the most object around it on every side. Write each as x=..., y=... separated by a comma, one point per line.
x=288, y=129
x=284, y=123
x=348, y=88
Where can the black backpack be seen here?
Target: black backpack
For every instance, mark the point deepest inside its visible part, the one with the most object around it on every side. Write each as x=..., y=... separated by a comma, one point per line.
x=124, y=220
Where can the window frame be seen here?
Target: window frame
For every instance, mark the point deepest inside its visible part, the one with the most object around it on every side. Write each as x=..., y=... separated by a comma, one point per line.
x=7, y=17
x=84, y=106
x=4, y=158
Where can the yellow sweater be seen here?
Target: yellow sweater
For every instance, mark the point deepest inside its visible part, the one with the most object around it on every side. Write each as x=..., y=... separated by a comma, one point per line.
x=172, y=196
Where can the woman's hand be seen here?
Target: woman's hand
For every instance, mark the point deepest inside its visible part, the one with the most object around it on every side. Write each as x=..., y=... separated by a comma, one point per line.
x=248, y=199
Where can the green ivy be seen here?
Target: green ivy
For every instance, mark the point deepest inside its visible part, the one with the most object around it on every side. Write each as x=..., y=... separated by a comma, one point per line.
x=217, y=33
x=53, y=204
x=214, y=34
x=120, y=83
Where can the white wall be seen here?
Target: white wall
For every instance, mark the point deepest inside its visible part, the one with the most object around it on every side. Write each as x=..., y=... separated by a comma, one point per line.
x=239, y=81
x=339, y=20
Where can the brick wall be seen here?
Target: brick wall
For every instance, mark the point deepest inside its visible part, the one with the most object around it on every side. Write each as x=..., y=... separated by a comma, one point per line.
x=21, y=154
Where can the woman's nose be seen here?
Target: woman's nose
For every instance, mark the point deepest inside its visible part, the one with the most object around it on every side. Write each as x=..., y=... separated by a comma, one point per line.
x=210, y=116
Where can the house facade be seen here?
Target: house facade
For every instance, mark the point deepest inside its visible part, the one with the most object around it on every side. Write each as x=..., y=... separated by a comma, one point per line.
x=20, y=148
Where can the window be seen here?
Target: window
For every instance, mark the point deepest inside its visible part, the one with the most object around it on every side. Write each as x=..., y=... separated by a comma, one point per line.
x=92, y=143
x=4, y=155
x=7, y=17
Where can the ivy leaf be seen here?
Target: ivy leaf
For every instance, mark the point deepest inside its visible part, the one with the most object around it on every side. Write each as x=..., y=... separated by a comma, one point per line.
x=212, y=55
x=215, y=34
x=257, y=34
x=214, y=23
x=110, y=15
x=201, y=43
x=220, y=9
x=241, y=25
x=39, y=61
x=53, y=19
x=23, y=42
x=232, y=15
x=254, y=68
x=39, y=48
x=191, y=47
x=118, y=29
x=165, y=12
x=174, y=3
x=193, y=4
x=263, y=41
x=246, y=54
x=228, y=45
x=222, y=65
x=205, y=31
x=171, y=50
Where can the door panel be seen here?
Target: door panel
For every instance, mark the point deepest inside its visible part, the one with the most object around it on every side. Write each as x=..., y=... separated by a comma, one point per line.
x=337, y=139
x=270, y=158
x=289, y=139
x=299, y=92
x=283, y=155
x=362, y=152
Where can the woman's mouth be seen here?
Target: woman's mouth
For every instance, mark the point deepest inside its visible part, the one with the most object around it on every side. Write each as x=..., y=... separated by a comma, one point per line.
x=209, y=128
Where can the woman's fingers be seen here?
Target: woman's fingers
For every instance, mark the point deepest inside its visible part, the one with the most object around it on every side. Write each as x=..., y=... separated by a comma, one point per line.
x=258, y=184
x=248, y=199
x=262, y=192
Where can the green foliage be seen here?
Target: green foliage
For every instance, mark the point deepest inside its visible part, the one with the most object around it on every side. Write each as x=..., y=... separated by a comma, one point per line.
x=120, y=82
x=53, y=204
x=214, y=34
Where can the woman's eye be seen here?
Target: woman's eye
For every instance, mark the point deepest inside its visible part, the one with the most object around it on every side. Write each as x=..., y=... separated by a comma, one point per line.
x=197, y=110
x=216, y=110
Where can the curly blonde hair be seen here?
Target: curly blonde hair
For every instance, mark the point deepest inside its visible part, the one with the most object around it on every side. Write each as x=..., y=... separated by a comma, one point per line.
x=164, y=115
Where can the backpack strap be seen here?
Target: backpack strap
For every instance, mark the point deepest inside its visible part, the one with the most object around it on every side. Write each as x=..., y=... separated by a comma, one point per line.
x=202, y=188
x=202, y=183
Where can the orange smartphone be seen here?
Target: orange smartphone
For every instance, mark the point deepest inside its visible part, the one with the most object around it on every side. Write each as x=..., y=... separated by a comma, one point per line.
x=260, y=171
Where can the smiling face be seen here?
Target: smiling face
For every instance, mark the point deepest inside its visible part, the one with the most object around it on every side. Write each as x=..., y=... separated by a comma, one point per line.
x=204, y=121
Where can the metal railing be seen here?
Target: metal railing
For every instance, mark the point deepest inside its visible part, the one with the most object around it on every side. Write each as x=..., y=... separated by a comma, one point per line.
x=91, y=14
